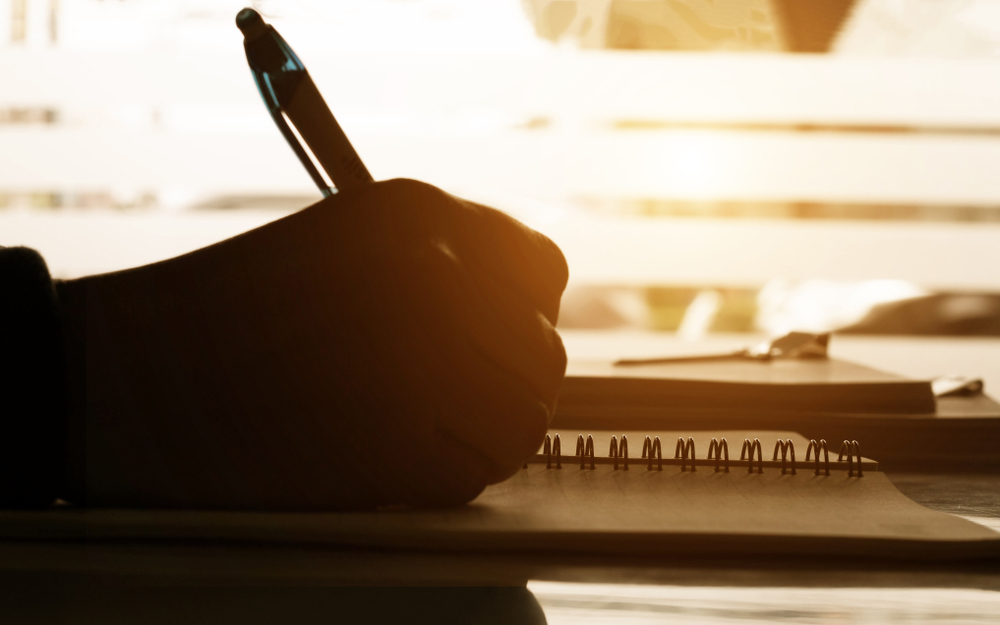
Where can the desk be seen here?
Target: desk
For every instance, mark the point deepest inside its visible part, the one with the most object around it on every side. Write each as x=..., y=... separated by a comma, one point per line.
x=186, y=582
x=190, y=583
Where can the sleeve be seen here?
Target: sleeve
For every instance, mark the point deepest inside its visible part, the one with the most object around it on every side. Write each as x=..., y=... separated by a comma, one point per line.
x=33, y=383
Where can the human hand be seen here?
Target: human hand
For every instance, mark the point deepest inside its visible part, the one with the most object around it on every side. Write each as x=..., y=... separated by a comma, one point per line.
x=391, y=344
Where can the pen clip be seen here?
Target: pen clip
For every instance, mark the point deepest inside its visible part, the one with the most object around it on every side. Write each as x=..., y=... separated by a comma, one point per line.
x=274, y=108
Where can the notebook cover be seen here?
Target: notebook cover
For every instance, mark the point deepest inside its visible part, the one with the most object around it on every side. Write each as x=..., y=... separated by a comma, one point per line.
x=800, y=385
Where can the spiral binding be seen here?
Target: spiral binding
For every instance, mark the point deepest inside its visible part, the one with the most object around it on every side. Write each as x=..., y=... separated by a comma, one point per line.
x=585, y=450
x=718, y=455
x=826, y=454
x=755, y=446
x=853, y=448
x=786, y=447
x=719, y=447
x=682, y=450
x=619, y=452
x=552, y=447
x=651, y=447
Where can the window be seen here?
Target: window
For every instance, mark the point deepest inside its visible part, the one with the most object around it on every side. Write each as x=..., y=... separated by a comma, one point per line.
x=700, y=177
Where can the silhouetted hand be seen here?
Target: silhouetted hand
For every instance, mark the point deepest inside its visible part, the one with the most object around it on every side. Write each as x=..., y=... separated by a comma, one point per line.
x=391, y=344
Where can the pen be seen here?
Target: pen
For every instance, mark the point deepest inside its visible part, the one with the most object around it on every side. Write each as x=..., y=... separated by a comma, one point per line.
x=791, y=345
x=288, y=91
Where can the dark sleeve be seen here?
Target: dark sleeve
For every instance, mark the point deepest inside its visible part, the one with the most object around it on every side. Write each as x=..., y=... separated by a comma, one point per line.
x=33, y=383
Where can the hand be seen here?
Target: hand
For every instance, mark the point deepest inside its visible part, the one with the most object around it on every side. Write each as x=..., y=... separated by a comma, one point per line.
x=391, y=344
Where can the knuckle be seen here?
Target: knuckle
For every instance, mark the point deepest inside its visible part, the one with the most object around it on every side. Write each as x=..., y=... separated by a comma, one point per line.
x=414, y=192
x=558, y=264
x=558, y=349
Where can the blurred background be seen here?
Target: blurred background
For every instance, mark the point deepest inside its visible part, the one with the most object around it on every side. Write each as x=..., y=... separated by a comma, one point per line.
x=712, y=169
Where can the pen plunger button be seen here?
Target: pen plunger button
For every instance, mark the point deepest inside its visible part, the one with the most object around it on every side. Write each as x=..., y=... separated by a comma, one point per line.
x=251, y=24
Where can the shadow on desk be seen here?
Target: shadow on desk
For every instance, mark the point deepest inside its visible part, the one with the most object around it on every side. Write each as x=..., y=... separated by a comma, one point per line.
x=62, y=601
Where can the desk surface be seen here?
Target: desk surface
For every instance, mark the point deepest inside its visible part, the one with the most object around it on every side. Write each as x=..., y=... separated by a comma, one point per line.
x=568, y=589
x=267, y=583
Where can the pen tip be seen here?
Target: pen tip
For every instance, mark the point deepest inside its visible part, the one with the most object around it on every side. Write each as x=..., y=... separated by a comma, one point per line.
x=250, y=23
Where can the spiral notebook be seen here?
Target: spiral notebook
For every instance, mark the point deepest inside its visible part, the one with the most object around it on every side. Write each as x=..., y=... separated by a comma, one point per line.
x=699, y=498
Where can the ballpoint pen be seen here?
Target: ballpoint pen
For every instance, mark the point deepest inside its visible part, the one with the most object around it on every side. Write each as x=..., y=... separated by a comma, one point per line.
x=791, y=345
x=288, y=91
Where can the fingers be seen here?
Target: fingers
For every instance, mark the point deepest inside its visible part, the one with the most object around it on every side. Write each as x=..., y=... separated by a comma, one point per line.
x=424, y=466
x=495, y=365
x=493, y=413
x=507, y=330
x=524, y=260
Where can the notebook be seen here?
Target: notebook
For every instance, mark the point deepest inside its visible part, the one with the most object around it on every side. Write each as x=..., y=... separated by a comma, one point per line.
x=664, y=506
x=900, y=420
x=806, y=385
